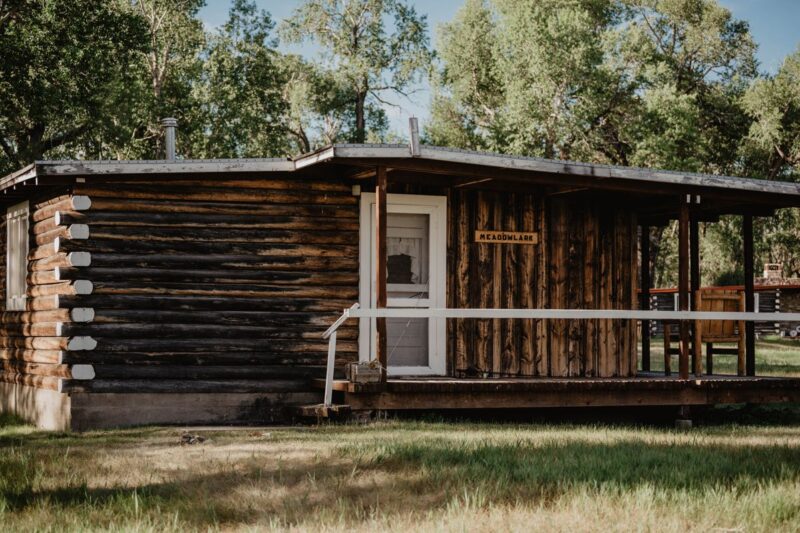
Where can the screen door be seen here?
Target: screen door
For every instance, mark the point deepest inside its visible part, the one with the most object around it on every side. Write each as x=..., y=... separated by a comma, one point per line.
x=415, y=250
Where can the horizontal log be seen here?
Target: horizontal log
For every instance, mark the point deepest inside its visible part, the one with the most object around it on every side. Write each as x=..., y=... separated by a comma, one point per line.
x=188, y=303
x=223, y=261
x=168, y=208
x=161, y=371
x=73, y=203
x=222, y=290
x=185, y=386
x=212, y=276
x=31, y=317
x=162, y=330
x=220, y=345
x=43, y=369
x=77, y=314
x=261, y=220
x=39, y=329
x=33, y=356
x=37, y=343
x=220, y=316
x=261, y=249
x=62, y=260
x=39, y=382
x=44, y=277
x=42, y=303
x=273, y=357
x=200, y=237
x=64, y=288
x=217, y=194
x=73, y=231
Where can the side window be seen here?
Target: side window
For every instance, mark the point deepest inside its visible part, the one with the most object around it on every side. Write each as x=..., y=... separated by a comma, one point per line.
x=16, y=257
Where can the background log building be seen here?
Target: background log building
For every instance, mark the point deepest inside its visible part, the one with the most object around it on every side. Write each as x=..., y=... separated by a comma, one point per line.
x=197, y=291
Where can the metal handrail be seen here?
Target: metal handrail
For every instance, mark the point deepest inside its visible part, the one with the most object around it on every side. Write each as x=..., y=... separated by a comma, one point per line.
x=355, y=311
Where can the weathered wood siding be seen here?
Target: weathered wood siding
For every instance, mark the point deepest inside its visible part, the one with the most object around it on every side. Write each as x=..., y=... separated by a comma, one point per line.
x=220, y=283
x=33, y=342
x=585, y=259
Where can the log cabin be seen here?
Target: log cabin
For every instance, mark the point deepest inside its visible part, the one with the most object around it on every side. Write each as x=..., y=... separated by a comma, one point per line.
x=200, y=291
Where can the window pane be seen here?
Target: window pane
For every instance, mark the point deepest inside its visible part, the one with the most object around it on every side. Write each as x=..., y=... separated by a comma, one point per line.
x=407, y=248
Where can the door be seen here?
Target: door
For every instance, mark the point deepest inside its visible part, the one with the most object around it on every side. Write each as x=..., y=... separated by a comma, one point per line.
x=416, y=242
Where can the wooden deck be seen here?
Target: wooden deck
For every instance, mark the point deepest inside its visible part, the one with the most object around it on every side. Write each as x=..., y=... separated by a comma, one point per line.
x=517, y=393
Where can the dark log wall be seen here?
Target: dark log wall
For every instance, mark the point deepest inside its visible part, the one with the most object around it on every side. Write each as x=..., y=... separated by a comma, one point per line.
x=586, y=259
x=33, y=342
x=219, y=283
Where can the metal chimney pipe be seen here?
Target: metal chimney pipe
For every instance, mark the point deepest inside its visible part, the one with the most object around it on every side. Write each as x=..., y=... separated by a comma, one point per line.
x=413, y=126
x=169, y=137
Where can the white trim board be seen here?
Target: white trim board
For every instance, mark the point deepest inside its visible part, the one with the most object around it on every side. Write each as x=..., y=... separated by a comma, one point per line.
x=436, y=208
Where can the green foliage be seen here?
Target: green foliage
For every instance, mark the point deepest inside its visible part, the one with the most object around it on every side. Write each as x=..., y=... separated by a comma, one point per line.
x=61, y=60
x=241, y=89
x=367, y=58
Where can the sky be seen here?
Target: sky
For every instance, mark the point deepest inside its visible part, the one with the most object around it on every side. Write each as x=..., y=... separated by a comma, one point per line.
x=774, y=24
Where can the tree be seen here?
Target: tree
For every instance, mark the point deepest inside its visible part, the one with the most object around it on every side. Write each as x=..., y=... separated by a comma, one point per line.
x=772, y=146
x=241, y=89
x=61, y=61
x=368, y=59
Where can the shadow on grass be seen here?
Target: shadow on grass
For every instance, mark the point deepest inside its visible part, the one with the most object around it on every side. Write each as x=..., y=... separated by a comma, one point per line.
x=417, y=475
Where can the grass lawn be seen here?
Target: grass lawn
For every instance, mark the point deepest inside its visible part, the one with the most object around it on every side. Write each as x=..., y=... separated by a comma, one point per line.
x=408, y=476
x=774, y=357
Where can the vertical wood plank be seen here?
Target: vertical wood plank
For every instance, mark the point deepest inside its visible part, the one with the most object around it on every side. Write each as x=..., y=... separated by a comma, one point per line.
x=510, y=328
x=542, y=280
x=484, y=288
x=497, y=285
x=380, y=266
x=526, y=287
x=590, y=291
x=644, y=249
x=461, y=248
x=558, y=283
x=683, y=285
x=574, y=277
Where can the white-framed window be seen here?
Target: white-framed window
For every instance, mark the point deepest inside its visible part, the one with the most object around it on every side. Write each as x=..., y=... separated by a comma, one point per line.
x=17, y=256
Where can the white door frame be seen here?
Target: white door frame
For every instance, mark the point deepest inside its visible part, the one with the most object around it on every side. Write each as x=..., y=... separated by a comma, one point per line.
x=436, y=208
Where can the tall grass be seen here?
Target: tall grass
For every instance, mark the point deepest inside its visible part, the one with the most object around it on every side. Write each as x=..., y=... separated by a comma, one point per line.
x=403, y=476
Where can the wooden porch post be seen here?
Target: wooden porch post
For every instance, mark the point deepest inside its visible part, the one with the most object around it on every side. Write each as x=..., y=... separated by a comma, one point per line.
x=694, y=240
x=683, y=284
x=645, y=295
x=380, y=268
x=749, y=295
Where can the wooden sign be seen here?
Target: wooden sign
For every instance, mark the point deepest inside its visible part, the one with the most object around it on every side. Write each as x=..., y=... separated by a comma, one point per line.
x=506, y=237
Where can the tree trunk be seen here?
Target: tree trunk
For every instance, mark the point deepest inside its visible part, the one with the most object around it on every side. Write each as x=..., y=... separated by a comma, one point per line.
x=361, y=128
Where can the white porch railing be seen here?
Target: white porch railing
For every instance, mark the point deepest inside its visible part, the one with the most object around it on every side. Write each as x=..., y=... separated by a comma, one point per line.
x=536, y=314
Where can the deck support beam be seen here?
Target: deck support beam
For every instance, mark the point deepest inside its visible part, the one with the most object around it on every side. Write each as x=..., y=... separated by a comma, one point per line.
x=683, y=284
x=749, y=295
x=645, y=294
x=380, y=268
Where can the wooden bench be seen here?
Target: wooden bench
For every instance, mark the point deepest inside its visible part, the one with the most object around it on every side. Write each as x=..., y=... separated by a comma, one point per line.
x=712, y=331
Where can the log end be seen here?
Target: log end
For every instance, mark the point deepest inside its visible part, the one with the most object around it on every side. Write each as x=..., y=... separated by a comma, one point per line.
x=82, y=371
x=81, y=203
x=81, y=343
x=79, y=259
x=81, y=314
x=83, y=286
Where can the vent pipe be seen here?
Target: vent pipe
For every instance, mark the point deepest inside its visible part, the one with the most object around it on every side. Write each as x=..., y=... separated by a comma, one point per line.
x=169, y=137
x=413, y=127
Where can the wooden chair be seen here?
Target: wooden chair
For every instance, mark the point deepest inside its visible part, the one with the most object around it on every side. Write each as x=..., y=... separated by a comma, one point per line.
x=712, y=331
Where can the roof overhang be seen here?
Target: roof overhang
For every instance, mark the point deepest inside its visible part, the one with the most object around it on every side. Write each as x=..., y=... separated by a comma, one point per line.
x=452, y=166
